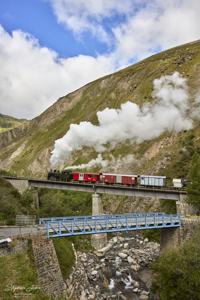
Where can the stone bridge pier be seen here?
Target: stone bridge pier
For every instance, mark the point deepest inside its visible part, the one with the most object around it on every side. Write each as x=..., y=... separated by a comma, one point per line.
x=98, y=241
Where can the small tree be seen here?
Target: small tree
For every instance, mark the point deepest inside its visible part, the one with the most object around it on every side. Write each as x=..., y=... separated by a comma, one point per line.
x=193, y=188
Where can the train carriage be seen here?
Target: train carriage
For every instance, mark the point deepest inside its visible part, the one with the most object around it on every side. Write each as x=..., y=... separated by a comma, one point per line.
x=149, y=180
x=123, y=179
x=85, y=177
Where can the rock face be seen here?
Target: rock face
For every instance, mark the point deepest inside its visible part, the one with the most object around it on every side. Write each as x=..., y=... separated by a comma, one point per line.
x=49, y=273
x=120, y=271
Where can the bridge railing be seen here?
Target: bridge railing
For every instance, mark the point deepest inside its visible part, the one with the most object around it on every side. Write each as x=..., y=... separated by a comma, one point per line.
x=70, y=226
x=103, y=216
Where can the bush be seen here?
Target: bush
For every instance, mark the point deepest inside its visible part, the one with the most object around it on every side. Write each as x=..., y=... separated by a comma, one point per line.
x=59, y=203
x=177, y=273
x=193, y=188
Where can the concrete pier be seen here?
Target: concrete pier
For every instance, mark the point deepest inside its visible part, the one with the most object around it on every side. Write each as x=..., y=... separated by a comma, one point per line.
x=36, y=198
x=98, y=241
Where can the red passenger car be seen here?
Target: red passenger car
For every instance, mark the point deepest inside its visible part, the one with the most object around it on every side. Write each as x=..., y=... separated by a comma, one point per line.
x=86, y=177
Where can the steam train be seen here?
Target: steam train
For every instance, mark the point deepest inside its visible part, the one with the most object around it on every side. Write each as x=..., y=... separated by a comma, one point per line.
x=113, y=178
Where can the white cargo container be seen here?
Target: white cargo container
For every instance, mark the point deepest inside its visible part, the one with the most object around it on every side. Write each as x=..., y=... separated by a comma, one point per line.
x=148, y=180
x=177, y=183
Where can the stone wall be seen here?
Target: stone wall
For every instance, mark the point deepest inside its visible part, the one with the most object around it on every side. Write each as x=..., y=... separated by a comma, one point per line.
x=173, y=237
x=188, y=227
x=49, y=273
x=22, y=220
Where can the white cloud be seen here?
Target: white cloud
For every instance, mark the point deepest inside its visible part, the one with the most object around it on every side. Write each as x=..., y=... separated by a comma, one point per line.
x=87, y=15
x=148, y=26
x=159, y=25
x=33, y=77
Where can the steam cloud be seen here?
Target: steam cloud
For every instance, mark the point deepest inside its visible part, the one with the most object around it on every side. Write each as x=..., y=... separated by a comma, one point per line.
x=96, y=162
x=114, y=163
x=168, y=112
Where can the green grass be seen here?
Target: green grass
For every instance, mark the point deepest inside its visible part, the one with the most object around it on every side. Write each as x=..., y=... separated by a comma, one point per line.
x=17, y=271
x=65, y=254
x=9, y=203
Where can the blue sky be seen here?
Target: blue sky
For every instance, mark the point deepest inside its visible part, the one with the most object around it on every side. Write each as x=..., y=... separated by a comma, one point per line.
x=49, y=48
x=36, y=17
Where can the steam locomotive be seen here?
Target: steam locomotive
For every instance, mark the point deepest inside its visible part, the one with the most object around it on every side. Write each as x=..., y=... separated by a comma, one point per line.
x=113, y=178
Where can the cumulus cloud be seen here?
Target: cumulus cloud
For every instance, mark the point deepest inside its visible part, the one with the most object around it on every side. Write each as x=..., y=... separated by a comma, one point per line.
x=81, y=15
x=144, y=27
x=33, y=77
x=156, y=26
x=130, y=121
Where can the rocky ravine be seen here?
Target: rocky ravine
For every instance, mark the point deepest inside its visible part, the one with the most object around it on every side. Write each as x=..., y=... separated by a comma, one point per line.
x=119, y=271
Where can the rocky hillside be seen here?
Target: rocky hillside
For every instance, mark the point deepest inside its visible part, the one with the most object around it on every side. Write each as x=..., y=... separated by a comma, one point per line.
x=8, y=122
x=26, y=149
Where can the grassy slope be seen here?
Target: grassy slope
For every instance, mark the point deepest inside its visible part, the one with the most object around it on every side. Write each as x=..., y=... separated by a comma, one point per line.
x=133, y=83
x=17, y=272
x=9, y=203
x=8, y=122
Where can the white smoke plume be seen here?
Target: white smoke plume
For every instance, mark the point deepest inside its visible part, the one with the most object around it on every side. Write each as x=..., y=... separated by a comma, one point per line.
x=95, y=162
x=169, y=112
x=113, y=163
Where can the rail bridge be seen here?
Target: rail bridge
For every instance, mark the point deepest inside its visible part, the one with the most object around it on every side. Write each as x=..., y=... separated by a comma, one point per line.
x=22, y=183
x=178, y=195
x=99, y=225
x=81, y=225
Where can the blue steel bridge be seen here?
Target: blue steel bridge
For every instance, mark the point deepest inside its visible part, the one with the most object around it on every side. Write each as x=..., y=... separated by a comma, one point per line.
x=72, y=226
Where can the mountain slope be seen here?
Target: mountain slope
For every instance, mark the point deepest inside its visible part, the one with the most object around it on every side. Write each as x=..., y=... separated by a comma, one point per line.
x=27, y=151
x=8, y=122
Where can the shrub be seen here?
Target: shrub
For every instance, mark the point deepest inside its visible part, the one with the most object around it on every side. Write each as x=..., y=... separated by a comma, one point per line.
x=177, y=273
